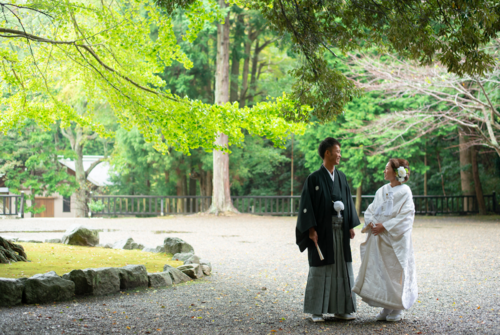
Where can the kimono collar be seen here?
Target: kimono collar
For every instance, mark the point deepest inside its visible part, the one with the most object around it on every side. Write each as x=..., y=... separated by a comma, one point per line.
x=332, y=175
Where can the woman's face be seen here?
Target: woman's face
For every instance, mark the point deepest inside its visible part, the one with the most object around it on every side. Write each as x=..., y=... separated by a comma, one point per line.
x=389, y=173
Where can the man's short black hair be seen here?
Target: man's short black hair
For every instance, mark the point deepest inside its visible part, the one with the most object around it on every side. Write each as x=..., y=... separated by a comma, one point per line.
x=327, y=144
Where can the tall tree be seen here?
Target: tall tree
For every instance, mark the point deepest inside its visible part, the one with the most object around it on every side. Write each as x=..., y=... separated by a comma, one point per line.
x=221, y=199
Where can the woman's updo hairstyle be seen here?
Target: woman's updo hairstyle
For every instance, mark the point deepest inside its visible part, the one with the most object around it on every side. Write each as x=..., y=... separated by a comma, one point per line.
x=396, y=163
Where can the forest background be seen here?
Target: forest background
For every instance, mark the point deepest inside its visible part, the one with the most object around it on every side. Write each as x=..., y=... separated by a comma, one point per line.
x=260, y=63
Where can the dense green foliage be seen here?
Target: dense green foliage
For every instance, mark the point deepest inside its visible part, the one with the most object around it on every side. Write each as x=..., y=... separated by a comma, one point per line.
x=152, y=64
x=116, y=52
x=449, y=32
x=28, y=160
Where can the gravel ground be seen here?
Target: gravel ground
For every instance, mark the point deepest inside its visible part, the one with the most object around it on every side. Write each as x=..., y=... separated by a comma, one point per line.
x=259, y=278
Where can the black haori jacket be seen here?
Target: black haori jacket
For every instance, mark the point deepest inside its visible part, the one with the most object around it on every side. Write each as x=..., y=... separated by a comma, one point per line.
x=316, y=210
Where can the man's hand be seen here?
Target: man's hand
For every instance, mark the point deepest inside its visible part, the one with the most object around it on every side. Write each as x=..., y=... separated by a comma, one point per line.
x=378, y=229
x=313, y=235
x=351, y=231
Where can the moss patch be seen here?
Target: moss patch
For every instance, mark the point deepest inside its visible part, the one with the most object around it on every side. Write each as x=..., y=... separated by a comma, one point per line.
x=63, y=258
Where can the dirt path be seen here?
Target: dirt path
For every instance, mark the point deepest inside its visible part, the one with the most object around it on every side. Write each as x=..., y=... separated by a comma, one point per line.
x=458, y=269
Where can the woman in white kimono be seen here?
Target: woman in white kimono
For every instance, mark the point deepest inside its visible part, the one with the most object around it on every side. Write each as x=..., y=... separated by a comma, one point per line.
x=387, y=276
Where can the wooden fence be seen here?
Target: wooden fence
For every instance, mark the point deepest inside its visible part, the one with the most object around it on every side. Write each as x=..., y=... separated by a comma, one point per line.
x=115, y=205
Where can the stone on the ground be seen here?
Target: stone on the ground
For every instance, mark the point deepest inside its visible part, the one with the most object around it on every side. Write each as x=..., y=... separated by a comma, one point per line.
x=174, y=245
x=53, y=240
x=136, y=246
x=192, y=270
x=206, y=267
x=108, y=246
x=125, y=244
x=159, y=279
x=192, y=260
x=182, y=256
x=157, y=250
x=47, y=287
x=81, y=235
x=100, y=281
x=11, y=292
x=132, y=276
x=176, y=275
x=207, y=271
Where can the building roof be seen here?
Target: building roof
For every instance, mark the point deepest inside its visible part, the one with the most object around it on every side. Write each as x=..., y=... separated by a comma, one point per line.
x=99, y=176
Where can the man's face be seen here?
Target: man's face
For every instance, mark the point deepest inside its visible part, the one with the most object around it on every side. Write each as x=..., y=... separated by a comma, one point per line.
x=333, y=155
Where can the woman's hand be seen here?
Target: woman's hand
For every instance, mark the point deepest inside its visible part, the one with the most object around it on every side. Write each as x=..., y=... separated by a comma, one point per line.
x=313, y=235
x=378, y=229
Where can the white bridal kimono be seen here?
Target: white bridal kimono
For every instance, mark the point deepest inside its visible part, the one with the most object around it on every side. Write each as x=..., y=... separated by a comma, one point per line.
x=387, y=277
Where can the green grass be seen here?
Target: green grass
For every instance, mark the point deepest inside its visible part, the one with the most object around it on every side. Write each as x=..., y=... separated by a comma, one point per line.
x=63, y=258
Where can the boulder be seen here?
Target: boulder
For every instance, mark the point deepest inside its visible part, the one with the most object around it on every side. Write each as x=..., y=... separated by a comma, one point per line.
x=176, y=275
x=135, y=246
x=132, y=276
x=80, y=235
x=174, y=245
x=53, y=240
x=11, y=292
x=108, y=246
x=206, y=267
x=207, y=271
x=159, y=279
x=157, y=250
x=124, y=244
x=192, y=270
x=98, y=281
x=182, y=256
x=192, y=260
x=47, y=287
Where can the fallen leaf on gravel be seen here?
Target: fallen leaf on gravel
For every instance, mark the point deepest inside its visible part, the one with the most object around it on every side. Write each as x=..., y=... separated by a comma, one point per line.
x=128, y=327
x=159, y=329
x=478, y=307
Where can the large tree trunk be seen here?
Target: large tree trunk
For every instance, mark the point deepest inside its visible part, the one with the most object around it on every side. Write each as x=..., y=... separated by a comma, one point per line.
x=465, y=170
x=359, y=193
x=477, y=182
x=221, y=197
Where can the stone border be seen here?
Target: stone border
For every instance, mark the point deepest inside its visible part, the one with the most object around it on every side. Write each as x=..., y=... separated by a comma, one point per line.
x=49, y=287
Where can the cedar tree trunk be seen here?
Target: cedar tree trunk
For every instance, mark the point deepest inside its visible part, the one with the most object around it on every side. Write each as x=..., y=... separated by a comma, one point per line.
x=221, y=197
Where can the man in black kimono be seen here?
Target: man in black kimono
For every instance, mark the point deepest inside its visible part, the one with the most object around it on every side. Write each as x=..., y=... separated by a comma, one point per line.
x=330, y=280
